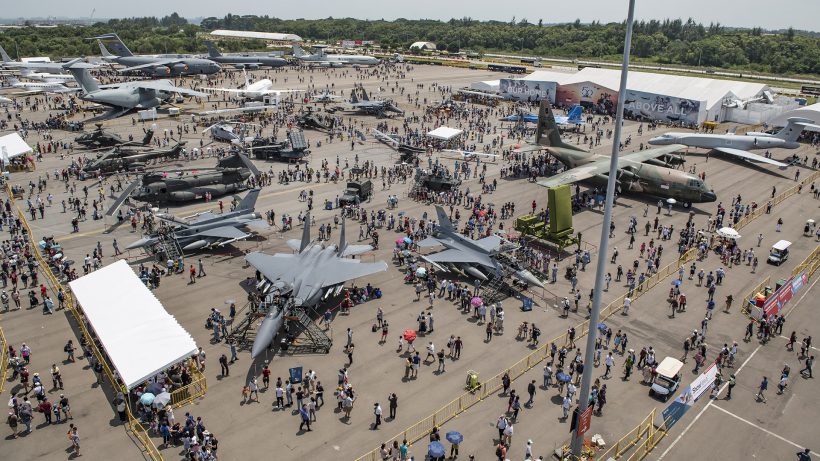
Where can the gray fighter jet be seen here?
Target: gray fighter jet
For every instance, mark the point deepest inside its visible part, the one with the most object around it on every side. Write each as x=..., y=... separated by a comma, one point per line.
x=379, y=108
x=209, y=229
x=473, y=257
x=126, y=96
x=157, y=66
x=243, y=61
x=308, y=276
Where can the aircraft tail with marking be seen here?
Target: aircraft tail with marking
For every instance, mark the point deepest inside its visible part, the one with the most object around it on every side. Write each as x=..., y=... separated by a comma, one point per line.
x=547, y=133
x=249, y=202
x=444, y=222
x=104, y=51
x=116, y=45
x=305, y=234
x=574, y=114
x=793, y=128
x=4, y=55
x=213, y=51
x=83, y=78
x=299, y=52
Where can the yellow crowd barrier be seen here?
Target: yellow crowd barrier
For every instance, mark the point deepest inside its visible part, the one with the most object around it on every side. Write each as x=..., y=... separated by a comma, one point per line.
x=630, y=439
x=4, y=356
x=136, y=428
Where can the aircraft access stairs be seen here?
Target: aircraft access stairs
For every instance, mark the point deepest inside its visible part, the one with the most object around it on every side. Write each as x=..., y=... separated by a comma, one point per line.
x=243, y=332
x=308, y=336
x=496, y=289
x=168, y=247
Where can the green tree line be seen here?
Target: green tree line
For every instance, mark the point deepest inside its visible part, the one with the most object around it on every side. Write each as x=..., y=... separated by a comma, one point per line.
x=670, y=41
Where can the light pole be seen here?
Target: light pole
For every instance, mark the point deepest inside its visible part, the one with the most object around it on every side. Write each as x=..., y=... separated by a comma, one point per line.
x=578, y=439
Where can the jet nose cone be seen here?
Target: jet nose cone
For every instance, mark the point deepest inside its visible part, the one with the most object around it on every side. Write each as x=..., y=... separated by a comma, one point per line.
x=657, y=141
x=708, y=197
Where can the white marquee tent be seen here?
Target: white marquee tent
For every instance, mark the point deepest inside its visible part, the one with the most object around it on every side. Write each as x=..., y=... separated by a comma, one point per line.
x=140, y=337
x=811, y=112
x=445, y=133
x=12, y=145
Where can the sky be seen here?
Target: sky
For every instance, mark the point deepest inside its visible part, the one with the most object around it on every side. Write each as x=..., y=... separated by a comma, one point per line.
x=768, y=14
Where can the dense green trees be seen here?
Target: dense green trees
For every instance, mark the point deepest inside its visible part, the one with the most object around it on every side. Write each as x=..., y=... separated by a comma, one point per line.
x=666, y=42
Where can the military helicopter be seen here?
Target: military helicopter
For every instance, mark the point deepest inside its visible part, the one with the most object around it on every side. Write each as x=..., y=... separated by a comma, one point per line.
x=228, y=177
x=101, y=138
x=407, y=153
x=225, y=132
x=128, y=160
x=311, y=120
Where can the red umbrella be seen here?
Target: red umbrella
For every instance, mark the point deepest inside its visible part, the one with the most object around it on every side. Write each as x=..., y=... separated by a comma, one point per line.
x=410, y=335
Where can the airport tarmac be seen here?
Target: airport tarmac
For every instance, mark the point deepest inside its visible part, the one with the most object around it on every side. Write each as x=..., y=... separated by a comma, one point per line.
x=255, y=429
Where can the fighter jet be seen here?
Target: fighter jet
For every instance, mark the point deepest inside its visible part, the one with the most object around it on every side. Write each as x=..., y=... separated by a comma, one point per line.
x=308, y=276
x=210, y=229
x=408, y=153
x=243, y=61
x=332, y=60
x=104, y=138
x=476, y=258
x=647, y=171
x=156, y=66
x=379, y=108
x=738, y=146
x=127, y=96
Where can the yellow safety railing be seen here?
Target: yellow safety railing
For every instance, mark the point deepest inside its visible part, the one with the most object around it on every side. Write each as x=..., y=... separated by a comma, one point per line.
x=653, y=439
x=194, y=390
x=423, y=427
x=137, y=428
x=761, y=210
x=810, y=264
x=4, y=356
x=630, y=439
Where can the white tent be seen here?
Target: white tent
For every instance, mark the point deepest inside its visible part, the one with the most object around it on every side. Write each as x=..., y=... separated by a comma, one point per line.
x=811, y=112
x=140, y=337
x=445, y=133
x=12, y=145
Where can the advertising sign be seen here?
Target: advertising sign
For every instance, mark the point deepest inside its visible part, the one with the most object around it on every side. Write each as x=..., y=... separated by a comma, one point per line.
x=585, y=421
x=702, y=383
x=678, y=408
x=663, y=108
x=295, y=374
x=526, y=90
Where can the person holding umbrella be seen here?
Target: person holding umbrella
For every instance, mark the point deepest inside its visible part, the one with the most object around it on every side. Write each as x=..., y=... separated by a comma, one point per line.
x=455, y=438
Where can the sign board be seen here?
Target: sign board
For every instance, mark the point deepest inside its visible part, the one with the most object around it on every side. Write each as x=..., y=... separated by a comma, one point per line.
x=295, y=374
x=663, y=108
x=677, y=408
x=702, y=383
x=585, y=421
x=526, y=90
x=778, y=300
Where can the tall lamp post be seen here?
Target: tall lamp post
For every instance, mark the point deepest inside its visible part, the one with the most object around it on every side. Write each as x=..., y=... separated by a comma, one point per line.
x=577, y=436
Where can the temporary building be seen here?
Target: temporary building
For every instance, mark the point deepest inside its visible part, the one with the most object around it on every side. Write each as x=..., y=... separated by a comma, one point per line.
x=423, y=45
x=139, y=336
x=273, y=36
x=445, y=133
x=13, y=145
x=811, y=112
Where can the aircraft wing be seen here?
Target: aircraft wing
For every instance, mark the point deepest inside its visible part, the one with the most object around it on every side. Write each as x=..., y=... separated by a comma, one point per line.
x=165, y=85
x=352, y=250
x=259, y=224
x=529, y=148
x=225, y=232
x=203, y=217
x=467, y=153
x=454, y=256
x=644, y=155
x=229, y=90
x=341, y=270
x=577, y=174
x=490, y=243
x=161, y=62
x=749, y=156
x=273, y=267
x=429, y=242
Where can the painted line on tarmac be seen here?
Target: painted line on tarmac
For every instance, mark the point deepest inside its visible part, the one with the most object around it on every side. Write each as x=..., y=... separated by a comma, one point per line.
x=800, y=447
x=711, y=402
x=786, y=338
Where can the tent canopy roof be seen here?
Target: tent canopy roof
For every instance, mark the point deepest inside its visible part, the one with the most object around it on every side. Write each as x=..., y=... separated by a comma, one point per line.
x=257, y=35
x=13, y=145
x=140, y=337
x=444, y=133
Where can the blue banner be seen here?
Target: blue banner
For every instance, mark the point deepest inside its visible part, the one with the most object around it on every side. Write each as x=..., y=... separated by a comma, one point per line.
x=295, y=374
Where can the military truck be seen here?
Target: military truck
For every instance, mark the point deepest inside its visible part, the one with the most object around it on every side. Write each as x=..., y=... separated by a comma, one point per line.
x=356, y=192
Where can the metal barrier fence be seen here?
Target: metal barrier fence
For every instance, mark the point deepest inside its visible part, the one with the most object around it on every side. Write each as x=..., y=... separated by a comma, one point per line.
x=630, y=439
x=136, y=428
x=194, y=390
x=810, y=264
x=642, y=450
x=4, y=356
x=492, y=385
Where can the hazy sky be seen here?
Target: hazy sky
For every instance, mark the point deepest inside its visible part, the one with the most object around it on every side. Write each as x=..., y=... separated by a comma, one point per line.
x=770, y=14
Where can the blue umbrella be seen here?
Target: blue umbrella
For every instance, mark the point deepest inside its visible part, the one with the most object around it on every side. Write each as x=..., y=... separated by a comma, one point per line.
x=454, y=437
x=435, y=450
x=147, y=398
x=676, y=282
x=408, y=240
x=563, y=377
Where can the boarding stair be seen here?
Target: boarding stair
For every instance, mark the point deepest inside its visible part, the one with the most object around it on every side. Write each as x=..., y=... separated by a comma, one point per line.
x=168, y=247
x=307, y=335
